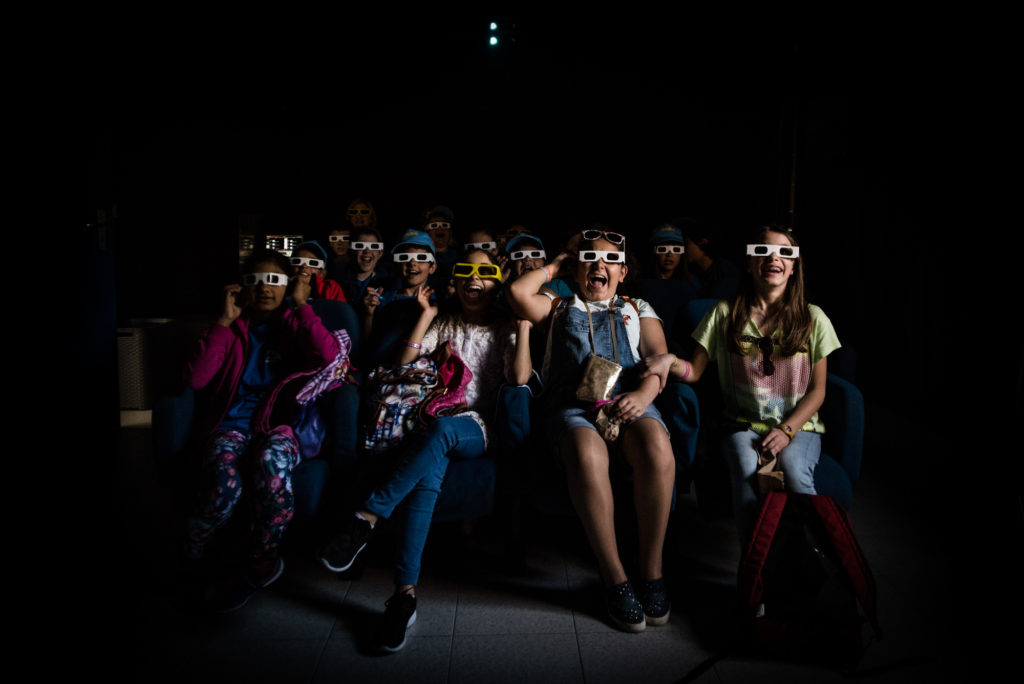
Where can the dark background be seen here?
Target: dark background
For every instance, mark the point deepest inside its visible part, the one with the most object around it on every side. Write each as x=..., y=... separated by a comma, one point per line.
x=194, y=126
x=630, y=121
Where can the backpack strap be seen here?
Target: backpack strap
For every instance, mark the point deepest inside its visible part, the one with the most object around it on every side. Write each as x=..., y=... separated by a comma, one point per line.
x=844, y=542
x=750, y=579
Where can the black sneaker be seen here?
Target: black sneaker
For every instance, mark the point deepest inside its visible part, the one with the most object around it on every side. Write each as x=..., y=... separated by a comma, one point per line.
x=655, y=601
x=624, y=609
x=236, y=592
x=399, y=616
x=339, y=554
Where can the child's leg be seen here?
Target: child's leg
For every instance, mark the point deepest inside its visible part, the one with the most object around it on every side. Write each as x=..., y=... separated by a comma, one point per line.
x=799, y=460
x=273, y=500
x=586, y=467
x=417, y=481
x=740, y=452
x=646, y=447
x=222, y=486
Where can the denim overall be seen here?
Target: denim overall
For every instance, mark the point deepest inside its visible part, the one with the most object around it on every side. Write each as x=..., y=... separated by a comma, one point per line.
x=570, y=347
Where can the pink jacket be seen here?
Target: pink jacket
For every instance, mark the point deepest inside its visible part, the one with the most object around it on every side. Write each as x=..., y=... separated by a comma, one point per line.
x=219, y=358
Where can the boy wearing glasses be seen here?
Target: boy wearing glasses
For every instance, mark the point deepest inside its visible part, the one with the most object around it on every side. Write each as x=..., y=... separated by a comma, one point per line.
x=388, y=314
x=365, y=267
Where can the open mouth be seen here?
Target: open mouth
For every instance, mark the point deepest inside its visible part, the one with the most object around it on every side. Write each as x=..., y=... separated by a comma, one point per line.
x=472, y=290
x=597, y=281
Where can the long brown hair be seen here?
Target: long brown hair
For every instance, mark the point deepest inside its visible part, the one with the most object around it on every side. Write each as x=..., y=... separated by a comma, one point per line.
x=794, y=318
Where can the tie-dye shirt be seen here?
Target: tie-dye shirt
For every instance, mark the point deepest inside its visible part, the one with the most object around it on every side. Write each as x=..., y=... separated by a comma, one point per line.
x=751, y=396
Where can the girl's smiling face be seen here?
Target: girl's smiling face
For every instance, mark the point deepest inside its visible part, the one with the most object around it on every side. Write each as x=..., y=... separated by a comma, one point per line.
x=475, y=292
x=306, y=268
x=772, y=271
x=598, y=280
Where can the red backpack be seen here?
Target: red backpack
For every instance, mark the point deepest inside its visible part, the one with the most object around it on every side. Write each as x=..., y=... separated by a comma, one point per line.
x=806, y=582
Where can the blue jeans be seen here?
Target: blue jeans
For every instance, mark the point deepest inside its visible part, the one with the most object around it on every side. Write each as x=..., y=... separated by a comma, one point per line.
x=797, y=462
x=416, y=480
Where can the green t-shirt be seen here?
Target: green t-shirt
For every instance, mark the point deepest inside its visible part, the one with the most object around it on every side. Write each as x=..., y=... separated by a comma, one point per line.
x=748, y=394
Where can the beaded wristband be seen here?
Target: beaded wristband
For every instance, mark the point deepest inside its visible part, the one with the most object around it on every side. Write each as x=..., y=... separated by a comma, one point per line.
x=547, y=272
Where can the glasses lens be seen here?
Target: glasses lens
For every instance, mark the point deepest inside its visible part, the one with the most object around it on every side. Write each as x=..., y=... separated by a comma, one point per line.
x=588, y=256
x=401, y=257
x=614, y=257
x=487, y=270
x=249, y=279
x=462, y=270
x=786, y=252
x=296, y=261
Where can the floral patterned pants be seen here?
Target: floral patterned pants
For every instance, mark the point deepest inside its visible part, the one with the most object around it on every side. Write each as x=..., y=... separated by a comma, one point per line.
x=263, y=465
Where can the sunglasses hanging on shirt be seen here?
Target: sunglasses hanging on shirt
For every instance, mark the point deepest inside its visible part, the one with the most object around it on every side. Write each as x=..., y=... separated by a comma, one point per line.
x=784, y=251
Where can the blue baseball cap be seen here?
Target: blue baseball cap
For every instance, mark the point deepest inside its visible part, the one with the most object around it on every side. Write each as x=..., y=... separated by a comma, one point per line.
x=666, y=234
x=512, y=244
x=414, y=238
x=314, y=247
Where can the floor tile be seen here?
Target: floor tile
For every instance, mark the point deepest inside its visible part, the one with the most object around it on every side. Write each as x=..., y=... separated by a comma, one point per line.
x=424, y=660
x=516, y=658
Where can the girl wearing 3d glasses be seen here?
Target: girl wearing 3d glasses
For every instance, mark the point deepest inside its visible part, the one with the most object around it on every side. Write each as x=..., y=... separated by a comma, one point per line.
x=495, y=352
x=310, y=260
x=599, y=413
x=257, y=341
x=770, y=347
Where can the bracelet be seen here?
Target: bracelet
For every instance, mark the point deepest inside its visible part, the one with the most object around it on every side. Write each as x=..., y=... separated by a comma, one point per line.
x=545, y=269
x=787, y=430
x=686, y=365
x=414, y=345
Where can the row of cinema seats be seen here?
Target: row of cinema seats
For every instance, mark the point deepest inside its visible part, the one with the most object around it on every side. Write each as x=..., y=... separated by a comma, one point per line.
x=526, y=471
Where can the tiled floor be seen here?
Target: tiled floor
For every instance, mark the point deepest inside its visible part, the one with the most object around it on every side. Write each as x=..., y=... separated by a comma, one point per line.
x=483, y=621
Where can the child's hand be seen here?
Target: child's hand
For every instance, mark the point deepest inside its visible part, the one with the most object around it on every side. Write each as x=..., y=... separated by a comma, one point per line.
x=659, y=366
x=301, y=288
x=564, y=261
x=423, y=298
x=628, y=407
x=231, y=310
x=371, y=300
x=774, y=442
x=523, y=326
